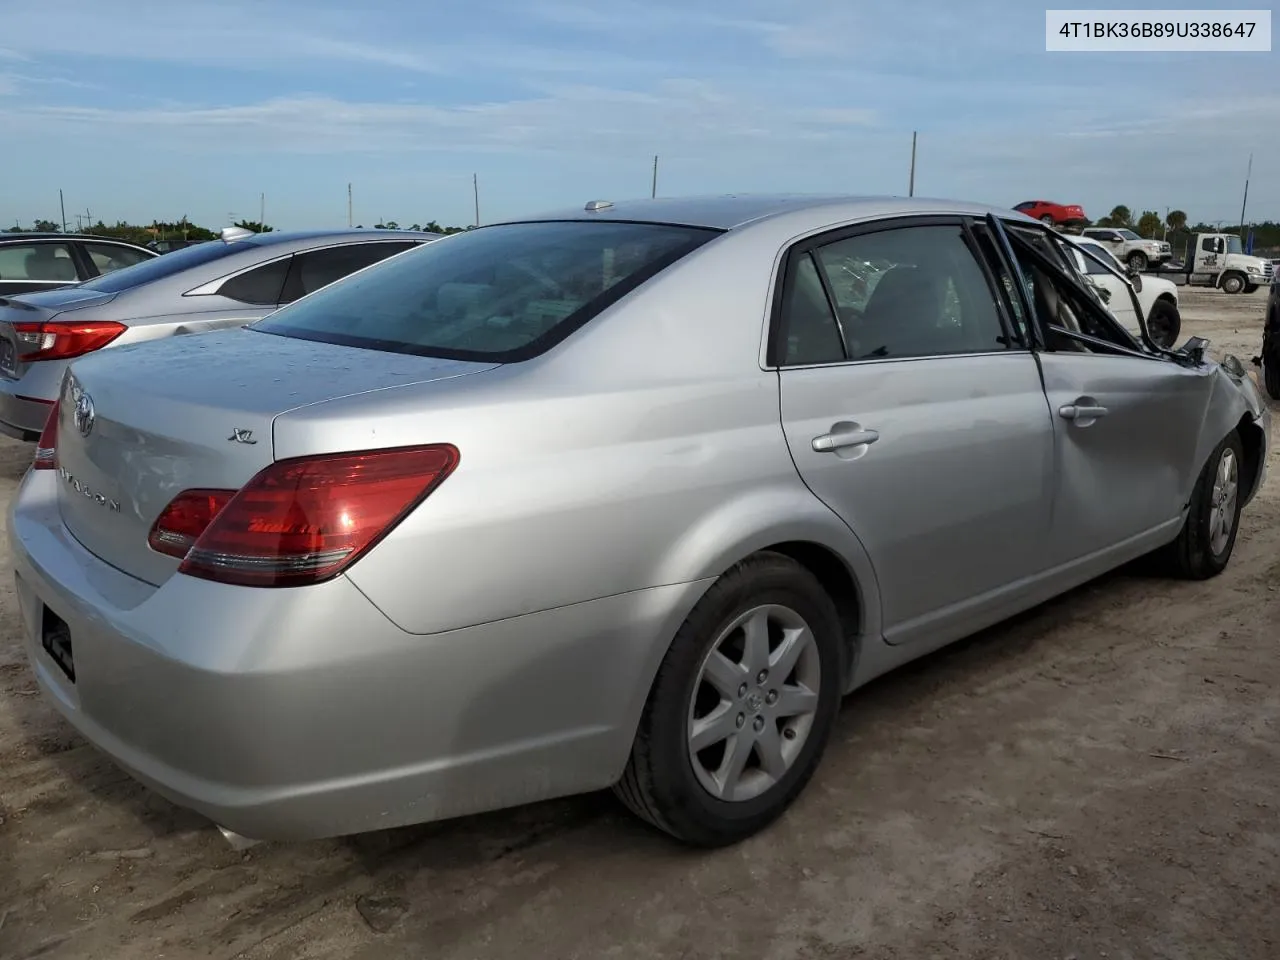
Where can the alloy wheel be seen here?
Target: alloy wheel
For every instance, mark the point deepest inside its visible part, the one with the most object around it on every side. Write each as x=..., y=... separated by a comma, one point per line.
x=753, y=703
x=1222, y=511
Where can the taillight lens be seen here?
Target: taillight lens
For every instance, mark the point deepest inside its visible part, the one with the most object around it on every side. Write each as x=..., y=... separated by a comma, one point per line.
x=187, y=516
x=47, y=446
x=299, y=521
x=64, y=340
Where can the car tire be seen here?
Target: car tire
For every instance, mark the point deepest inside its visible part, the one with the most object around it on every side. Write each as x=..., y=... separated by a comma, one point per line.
x=1047, y=220
x=1271, y=374
x=1137, y=260
x=1250, y=287
x=1202, y=550
x=1233, y=283
x=1164, y=323
x=669, y=780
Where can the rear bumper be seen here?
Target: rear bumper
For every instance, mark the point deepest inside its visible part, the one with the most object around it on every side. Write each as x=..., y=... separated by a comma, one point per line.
x=291, y=714
x=25, y=402
x=21, y=417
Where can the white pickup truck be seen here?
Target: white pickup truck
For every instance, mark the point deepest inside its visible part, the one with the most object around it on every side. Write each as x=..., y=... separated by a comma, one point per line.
x=1218, y=260
x=1129, y=248
x=1157, y=297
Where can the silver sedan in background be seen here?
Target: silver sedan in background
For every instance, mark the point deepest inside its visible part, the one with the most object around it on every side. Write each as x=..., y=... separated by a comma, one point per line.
x=220, y=283
x=626, y=496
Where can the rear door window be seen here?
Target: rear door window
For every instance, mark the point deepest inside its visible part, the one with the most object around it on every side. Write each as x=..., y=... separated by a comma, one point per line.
x=110, y=257
x=502, y=293
x=319, y=268
x=260, y=286
x=157, y=268
x=914, y=291
x=41, y=262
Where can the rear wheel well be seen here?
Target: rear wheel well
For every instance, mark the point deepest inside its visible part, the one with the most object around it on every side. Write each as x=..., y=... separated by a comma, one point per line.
x=1251, y=440
x=839, y=584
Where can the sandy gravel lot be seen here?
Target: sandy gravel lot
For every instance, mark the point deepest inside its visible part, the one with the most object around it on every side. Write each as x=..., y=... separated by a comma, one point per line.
x=1100, y=778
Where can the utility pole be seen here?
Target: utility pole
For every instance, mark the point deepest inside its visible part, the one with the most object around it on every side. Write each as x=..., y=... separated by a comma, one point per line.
x=911, y=183
x=349, y=220
x=1164, y=229
x=653, y=191
x=63, y=207
x=262, y=209
x=475, y=192
x=1245, y=202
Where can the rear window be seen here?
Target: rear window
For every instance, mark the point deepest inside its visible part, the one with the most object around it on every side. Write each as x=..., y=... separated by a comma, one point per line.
x=165, y=265
x=502, y=293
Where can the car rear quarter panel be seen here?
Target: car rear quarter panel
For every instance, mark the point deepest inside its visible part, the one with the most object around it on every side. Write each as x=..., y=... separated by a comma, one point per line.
x=645, y=450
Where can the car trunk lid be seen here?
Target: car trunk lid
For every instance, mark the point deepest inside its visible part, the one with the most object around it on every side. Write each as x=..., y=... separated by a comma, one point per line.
x=38, y=308
x=140, y=426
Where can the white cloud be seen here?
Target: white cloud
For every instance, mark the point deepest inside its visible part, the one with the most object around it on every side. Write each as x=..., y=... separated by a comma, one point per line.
x=227, y=33
x=680, y=115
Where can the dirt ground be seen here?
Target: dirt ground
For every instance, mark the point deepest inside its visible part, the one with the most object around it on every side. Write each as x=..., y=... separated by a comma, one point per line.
x=1099, y=778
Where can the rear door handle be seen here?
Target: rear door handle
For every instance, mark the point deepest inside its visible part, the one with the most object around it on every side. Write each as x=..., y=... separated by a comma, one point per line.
x=1074, y=411
x=844, y=435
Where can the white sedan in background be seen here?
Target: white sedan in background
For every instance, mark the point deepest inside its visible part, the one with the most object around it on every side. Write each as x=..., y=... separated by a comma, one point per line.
x=1157, y=296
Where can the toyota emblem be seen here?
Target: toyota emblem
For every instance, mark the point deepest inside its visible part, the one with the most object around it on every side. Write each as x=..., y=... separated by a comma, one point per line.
x=83, y=415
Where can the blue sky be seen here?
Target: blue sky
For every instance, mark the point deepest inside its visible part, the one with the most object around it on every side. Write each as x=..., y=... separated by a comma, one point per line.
x=144, y=110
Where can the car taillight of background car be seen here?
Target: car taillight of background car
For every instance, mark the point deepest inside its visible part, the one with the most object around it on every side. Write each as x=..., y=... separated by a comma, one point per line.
x=64, y=340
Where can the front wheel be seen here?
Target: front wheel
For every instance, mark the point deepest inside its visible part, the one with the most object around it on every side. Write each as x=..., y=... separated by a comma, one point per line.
x=1271, y=373
x=1137, y=260
x=1233, y=283
x=742, y=706
x=1208, y=536
x=1164, y=323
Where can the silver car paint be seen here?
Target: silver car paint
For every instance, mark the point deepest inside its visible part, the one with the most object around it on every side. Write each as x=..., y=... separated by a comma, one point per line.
x=499, y=645
x=182, y=303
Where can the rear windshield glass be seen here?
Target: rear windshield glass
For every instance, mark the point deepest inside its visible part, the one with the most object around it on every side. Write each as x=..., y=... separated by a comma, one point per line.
x=165, y=265
x=502, y=293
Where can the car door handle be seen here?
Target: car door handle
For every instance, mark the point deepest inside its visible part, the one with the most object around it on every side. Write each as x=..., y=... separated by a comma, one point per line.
x=1073, y=411
x=844, y=435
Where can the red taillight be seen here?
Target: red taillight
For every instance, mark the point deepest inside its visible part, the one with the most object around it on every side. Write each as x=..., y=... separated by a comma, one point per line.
x=64, y=340
x=47, y=446
x=187, y=516
x=299, y=521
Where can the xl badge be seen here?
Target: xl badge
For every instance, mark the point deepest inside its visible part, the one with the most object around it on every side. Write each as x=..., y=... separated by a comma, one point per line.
x=241, y=436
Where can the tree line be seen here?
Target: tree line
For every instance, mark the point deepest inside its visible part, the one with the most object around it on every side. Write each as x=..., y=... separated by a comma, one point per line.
x=184, y=229
x=1175, y=228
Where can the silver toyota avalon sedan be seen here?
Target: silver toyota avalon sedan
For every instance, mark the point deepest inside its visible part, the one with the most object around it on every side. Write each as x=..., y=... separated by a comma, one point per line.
x=628, y=496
